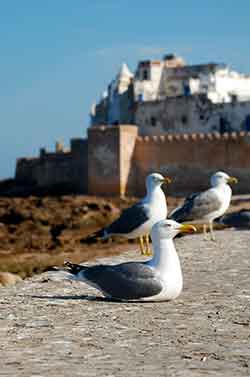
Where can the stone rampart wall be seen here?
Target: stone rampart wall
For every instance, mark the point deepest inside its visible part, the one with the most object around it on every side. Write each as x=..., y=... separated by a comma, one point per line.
x=190, y=159
x=66, y=170
x=115, y=161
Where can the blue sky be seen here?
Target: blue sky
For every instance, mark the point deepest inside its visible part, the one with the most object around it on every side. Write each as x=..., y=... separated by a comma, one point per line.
x=57, y=56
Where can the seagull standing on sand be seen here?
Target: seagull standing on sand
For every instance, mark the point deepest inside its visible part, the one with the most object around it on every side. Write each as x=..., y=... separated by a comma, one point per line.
x=206, y=206
x=158, y=279
x=137, y=221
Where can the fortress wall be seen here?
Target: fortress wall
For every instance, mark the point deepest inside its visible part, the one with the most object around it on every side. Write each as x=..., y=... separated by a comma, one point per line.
x=65, y=170
x=79, y=164
x=115, y=161
x=25, y=173
x=104, y=160
x=191, y=159
x=128, y=136
x=110, y=156
x=51, y=169
x=54, y=170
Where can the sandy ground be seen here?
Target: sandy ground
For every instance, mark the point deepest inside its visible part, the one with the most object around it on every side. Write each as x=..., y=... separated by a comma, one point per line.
x=53, y=327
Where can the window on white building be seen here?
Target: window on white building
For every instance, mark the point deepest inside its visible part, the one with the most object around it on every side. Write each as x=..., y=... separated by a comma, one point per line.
x=184, y=119
x=145, y=75
x=153, y=121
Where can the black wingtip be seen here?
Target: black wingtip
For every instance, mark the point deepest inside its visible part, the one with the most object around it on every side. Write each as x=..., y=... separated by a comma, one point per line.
x=68, y=264
x=73, y=268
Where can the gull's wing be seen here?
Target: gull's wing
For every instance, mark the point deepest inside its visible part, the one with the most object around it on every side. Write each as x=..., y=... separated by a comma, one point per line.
x=130, y=219
x=196, y=206
x=239, y=219
x=127, y=281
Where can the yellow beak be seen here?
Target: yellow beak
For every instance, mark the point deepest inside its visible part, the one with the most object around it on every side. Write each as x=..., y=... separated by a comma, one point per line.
x=232, y=180
x=187, y=228
x=167, y=180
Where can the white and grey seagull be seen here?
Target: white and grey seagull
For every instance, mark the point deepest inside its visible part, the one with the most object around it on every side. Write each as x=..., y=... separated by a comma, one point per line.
x=137, y=221
x=204, y=207
x=159, y=279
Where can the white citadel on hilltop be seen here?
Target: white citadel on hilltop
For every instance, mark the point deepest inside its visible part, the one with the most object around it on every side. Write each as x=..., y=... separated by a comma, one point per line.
x=178, y=119
x=170, y=96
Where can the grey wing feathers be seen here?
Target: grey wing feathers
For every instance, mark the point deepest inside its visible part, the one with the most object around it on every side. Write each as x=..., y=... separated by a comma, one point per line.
x=196, y=206
x=130, y=219
x=239, y=219
x=130, y=280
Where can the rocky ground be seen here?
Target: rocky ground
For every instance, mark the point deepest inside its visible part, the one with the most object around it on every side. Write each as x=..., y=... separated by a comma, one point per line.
x=38, y=232
x=54, y=327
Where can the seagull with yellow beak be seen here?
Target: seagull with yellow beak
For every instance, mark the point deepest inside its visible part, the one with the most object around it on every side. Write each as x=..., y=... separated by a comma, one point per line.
x=137, y=221
x=158, y=279
x=204, y=207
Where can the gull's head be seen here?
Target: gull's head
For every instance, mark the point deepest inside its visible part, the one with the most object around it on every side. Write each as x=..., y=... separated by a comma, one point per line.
x=156, y=180
x=169, y=229
x=222, y=178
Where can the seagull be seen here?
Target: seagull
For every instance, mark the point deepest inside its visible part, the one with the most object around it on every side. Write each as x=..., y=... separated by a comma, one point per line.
x=159, y=279
x=137, y=221
x=204, y=207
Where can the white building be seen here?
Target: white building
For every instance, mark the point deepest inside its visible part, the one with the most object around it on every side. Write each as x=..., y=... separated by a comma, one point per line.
x=156, y=94
x=171, y=77
x=149, y=75
x=115, y=106
x=116, y=91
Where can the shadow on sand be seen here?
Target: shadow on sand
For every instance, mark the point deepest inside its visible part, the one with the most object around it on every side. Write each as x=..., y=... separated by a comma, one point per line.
x=89, y=298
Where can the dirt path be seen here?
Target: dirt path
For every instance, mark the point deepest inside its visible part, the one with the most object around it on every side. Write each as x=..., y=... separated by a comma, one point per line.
x=48, y=327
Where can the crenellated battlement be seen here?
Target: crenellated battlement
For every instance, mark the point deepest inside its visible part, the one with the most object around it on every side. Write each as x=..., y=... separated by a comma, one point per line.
x=197, y=137
x=114, y=160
